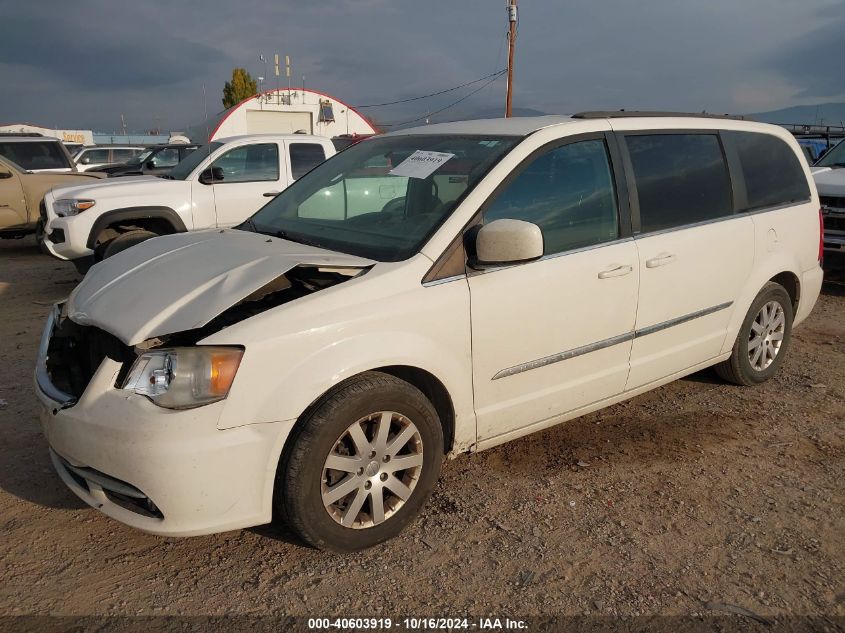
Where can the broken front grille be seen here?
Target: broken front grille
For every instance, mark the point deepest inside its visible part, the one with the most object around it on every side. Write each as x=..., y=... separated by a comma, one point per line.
x=76, y=351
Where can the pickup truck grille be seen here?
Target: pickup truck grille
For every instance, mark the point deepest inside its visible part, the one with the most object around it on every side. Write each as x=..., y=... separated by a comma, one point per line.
x=833, y=223
x=833, y=202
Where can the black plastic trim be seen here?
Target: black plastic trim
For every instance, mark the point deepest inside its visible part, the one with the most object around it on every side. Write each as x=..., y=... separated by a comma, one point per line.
x=134, y=213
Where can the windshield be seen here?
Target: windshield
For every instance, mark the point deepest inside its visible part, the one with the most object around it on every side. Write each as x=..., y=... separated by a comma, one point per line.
x=383, y=197
x=834, y=158
x=190, y=162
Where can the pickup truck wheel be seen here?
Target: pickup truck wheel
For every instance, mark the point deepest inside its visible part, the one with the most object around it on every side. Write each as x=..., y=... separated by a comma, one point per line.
x=126, y=240
x=763, y=338
x=361, y=465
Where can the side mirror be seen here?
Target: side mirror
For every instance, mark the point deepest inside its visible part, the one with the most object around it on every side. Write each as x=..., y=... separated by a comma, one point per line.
x=210, y=175
x=150, y=164
x=4, y=173
x=86, y=160
x=507, y=242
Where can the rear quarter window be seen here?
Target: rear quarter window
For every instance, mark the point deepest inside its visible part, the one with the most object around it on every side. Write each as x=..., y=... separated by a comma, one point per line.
x=772, y=172
x=304, y=157
x=681, y=179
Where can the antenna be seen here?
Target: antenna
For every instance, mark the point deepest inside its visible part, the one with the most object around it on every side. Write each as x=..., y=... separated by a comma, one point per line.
x=205, y=110
x=512, y=19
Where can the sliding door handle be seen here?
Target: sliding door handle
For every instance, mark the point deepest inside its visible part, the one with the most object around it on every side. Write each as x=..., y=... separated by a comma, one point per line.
x=660, y=260
x=617, y=271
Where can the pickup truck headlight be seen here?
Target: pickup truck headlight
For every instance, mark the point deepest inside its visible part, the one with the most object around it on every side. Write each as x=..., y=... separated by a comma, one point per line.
x=71, y=206
x=185, y=377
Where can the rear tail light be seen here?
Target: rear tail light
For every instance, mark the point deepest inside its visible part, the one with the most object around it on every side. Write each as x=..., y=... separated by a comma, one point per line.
x=821, y=237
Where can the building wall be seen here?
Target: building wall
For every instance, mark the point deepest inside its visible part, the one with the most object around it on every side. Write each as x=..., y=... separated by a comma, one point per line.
x=86, y=137
x=301, y=106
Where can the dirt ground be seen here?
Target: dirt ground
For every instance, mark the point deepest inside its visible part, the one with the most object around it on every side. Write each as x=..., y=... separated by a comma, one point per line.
x=696, y=493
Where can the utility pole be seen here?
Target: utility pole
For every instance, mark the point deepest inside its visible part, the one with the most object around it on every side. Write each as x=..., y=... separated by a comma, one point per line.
x=512, y=19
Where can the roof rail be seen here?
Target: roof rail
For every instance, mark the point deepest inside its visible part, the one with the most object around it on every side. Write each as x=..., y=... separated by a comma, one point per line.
x=21, y=134
x=621, y=114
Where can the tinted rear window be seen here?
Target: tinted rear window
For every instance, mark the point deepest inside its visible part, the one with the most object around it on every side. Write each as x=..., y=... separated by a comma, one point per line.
x=304, y=157
x=35, y=155
x=681, y=179
x=773, y=175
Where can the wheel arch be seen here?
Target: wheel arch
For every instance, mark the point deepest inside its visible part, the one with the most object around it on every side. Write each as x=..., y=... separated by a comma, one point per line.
x=149, y=217
x=430, y=386
x=781, y=271
x=792, y=284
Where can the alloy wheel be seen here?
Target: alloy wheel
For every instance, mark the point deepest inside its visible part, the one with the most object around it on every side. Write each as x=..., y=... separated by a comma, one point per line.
x=766, y=335
x=372, y=470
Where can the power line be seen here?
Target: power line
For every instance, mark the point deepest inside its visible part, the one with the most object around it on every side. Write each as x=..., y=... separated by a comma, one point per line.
x=434, y=94
x=496, y=76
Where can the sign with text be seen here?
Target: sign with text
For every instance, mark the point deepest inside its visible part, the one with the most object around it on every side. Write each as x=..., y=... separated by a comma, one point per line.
x=420, y=164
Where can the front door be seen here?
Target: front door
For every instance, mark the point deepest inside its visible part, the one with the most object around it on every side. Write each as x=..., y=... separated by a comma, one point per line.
x=252, y=175
x=554, y=335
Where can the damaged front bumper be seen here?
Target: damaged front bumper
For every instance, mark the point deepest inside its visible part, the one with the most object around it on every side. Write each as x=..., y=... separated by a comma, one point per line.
x=162, y=471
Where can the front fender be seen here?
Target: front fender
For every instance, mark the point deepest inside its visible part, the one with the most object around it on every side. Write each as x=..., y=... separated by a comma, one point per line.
x=309, y=378
x=297, y=352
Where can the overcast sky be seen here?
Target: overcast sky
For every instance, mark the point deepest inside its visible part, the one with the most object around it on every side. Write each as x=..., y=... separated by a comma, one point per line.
x=81, y=64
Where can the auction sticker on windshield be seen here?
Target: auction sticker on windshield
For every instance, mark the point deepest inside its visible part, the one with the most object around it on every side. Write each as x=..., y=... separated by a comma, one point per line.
x=420, y=164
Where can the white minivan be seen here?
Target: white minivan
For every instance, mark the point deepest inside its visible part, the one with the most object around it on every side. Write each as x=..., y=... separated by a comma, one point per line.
x=422, y=294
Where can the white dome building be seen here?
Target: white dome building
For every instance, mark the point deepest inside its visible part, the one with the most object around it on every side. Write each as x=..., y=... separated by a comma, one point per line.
x=285, y=111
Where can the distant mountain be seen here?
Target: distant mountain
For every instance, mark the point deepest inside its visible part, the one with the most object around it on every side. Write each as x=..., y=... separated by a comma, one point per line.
x=490, y=113
x=821, y=114
x=474, y=113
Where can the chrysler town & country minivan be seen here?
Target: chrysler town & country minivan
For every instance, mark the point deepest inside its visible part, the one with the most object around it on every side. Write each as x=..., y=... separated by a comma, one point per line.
x=424, y=293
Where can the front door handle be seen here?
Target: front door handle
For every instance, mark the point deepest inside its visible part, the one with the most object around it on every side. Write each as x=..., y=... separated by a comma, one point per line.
x=660, y=260
x=271, y=194
x=617, y=271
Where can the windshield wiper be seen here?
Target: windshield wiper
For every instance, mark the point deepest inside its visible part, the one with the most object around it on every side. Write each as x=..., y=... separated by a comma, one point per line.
x=291, y=237
x=166, y=176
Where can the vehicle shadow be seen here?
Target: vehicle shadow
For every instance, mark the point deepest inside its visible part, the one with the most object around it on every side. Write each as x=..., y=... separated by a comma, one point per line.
x=30, y=282
x=627, y=436
x=27, y=471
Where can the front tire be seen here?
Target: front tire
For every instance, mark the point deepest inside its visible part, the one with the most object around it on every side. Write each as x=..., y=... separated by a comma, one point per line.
x=763, y=338
x=126, y=240
x=361, y=464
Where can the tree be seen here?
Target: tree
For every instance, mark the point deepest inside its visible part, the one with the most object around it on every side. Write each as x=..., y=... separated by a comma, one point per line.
x=241, y=87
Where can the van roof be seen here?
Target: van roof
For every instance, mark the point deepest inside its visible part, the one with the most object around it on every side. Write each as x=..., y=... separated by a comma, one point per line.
x=523, y=126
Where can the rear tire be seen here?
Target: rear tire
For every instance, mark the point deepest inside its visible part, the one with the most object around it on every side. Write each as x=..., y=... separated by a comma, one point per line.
x=763, y=339
x=366, y=428
x=126, y=240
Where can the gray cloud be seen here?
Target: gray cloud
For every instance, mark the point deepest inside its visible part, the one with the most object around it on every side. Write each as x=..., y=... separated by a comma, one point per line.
x=151, y=60
x=813, y=62
x=103, y=61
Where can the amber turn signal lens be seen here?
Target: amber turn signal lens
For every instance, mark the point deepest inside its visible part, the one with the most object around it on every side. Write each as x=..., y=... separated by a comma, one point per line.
x=224, y=366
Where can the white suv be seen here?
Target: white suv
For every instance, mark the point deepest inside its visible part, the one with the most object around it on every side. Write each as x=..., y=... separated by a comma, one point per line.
x=92, y=157
x=424, y=293
x=218, y=185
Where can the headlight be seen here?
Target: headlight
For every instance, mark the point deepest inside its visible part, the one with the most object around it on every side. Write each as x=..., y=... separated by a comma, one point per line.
x=185, y=377
x=71, y=206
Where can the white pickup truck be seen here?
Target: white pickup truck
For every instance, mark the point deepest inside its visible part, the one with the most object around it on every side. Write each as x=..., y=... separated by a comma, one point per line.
x=219, y=185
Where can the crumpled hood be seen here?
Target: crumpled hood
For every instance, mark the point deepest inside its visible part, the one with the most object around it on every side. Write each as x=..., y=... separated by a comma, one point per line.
x=109, y=187
x=181, y=282
x=830, y=182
